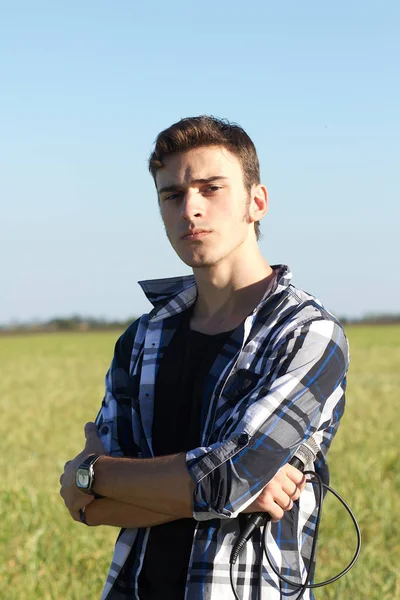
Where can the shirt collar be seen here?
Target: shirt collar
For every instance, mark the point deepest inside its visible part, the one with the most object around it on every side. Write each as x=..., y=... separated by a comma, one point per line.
x=175, y=294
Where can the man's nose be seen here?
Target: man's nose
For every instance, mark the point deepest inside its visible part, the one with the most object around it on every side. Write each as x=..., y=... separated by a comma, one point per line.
x=192, y=204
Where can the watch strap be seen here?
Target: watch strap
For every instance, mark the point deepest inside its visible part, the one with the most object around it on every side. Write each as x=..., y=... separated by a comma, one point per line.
x=82, y=516
x=90, y=460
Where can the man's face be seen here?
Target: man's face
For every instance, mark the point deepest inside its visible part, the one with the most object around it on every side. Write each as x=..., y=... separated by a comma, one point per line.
x=204, y=205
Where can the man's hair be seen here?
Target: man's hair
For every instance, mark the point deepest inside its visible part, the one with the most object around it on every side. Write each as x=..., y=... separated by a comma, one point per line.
x=194, y=132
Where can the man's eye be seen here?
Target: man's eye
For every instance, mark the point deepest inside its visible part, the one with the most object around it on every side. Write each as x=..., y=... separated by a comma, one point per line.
x=213, y=188
x=172, y=196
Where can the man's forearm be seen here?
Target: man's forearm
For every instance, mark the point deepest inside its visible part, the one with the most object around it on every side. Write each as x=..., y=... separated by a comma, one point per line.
x=147, y=492
x=119, y=514
x=161, y=485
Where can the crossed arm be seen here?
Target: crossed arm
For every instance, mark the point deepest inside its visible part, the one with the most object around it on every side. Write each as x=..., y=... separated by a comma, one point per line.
x=147, y=492
x=305, y=395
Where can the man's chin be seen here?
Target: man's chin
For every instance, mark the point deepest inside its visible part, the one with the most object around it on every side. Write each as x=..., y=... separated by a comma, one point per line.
x=197, y=262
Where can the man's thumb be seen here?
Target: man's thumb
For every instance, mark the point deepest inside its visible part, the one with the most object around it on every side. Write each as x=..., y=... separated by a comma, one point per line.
x=91, y=430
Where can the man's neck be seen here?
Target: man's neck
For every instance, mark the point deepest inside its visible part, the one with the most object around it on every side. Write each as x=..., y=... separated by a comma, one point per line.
x=229, y=292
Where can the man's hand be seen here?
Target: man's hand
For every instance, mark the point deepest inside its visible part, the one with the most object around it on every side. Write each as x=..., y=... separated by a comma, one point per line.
x=279, y=494
x=73, y=498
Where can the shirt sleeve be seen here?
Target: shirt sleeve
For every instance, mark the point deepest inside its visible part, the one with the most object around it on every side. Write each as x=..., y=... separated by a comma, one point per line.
x=301, y=393
x=114, y=420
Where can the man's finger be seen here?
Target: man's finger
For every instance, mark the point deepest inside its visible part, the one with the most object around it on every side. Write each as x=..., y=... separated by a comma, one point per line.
x=74, y=500
x=75, y=514
x=283, y=500
x=276, y=513
x=288, y=506
x=82, y=500
x=294, y=474
x=291, y=489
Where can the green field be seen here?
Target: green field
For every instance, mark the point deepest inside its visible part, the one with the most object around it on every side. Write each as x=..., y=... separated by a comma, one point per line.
x=52, y=384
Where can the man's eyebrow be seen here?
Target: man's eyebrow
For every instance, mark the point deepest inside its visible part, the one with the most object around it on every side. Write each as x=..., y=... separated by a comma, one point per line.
x=175, y=188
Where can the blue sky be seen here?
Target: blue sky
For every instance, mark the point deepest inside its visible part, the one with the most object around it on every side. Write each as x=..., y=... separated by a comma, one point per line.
x=86, y=88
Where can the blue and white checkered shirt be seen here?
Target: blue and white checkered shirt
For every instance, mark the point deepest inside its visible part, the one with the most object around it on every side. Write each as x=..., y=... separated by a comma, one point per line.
x=277, y=381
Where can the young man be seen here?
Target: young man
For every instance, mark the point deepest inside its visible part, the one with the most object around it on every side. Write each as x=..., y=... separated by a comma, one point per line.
x=210, y=395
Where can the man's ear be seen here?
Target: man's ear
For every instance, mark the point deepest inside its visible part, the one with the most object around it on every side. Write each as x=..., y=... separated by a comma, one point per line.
x=259, y=202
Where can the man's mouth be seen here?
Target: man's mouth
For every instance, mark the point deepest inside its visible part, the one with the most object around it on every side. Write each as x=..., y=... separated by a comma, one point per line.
x=196, y=234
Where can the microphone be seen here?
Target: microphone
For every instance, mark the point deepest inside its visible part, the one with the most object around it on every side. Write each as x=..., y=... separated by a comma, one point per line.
x=305, y=454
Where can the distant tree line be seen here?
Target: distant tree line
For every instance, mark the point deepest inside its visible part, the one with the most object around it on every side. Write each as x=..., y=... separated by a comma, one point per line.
x=79, y=323
x=373, y=319
x=73, y=323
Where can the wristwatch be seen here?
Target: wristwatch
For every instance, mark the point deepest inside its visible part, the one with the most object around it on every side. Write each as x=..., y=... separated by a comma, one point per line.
x=84, y=477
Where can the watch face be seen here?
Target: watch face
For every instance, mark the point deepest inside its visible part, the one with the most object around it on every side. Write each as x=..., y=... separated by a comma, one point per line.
x=82, y=478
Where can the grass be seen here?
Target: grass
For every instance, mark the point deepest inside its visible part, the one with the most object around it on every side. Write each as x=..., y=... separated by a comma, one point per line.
x=364, y=470
x=52, y=384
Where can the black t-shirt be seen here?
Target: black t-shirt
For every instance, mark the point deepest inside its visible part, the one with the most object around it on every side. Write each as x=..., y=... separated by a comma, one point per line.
x=176, y=428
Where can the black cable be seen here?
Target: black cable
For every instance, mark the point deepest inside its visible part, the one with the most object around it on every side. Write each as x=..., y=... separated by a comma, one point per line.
x=232, y=582
x=358, y=532
x=351, y=563
x=305, y=585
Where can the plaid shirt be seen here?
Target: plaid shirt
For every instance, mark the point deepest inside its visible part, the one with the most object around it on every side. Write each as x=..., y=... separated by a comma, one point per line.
x=278, y=380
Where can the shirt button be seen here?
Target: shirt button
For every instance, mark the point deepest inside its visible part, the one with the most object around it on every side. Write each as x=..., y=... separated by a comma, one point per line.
x=105, y=430
x=243, y=439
